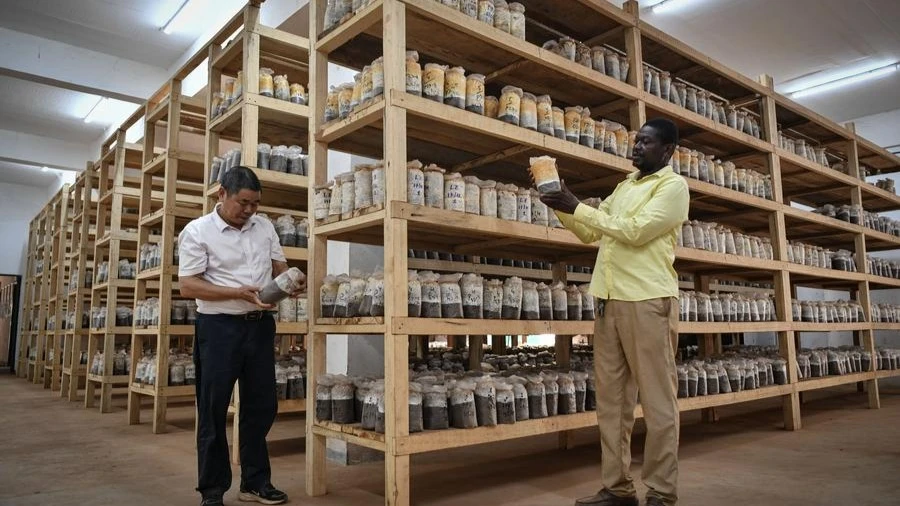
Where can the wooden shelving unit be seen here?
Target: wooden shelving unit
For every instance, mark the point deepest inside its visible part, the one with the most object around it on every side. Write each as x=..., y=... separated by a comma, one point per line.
x=255, y=119
x=27, y=325
x=171, y=194
x=84, y=230
x=41, y=294
x=400, y=127
x=117, y=238
x=59, y=275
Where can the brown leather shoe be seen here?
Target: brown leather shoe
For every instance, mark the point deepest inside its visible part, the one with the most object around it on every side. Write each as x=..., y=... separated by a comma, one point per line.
x=607, y=498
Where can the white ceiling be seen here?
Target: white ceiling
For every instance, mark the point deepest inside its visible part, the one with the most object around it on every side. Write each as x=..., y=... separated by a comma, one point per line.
x=46, y=111
x=128, y=29
x=16, y=173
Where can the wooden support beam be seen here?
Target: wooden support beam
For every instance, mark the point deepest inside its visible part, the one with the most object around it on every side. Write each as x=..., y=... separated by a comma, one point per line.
x=601, y=110
x=491, y=158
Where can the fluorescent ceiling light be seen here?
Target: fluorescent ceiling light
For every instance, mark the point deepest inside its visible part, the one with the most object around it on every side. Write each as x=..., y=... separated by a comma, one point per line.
x=176, y=19
x=668, y=6
x=847, y=81
x=91, y=114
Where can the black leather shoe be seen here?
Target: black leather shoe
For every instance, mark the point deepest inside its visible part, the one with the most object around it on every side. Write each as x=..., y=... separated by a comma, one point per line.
x=607, y=498
x=267, y=494
x=212, y=500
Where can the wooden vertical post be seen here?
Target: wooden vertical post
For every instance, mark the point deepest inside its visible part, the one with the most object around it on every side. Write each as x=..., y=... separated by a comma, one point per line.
x=316, y=472
x=867, y=337
x=396, y=243
x=787, y=341
x=637, y=111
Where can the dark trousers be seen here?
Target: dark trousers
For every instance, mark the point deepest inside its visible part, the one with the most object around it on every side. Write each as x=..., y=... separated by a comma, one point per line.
x=229, y=349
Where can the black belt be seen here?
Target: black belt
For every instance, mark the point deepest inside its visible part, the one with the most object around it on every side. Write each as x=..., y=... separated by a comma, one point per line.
x=251, y=316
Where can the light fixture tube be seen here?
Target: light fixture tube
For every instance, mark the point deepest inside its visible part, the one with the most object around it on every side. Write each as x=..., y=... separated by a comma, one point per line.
x=846, y=81
x=90, y=115
x=169, y=26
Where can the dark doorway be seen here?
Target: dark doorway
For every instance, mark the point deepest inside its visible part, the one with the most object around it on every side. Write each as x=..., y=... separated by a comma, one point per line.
x=9, y=319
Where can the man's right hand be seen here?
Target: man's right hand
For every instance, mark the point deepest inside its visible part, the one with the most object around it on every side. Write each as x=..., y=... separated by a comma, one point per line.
x=251, y=295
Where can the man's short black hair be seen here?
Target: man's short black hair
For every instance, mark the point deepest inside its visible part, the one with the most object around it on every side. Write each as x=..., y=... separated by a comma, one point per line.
x=240, y=178
x=666, y=129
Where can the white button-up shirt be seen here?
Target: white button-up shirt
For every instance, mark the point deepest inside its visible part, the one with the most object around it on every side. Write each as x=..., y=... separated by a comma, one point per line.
x=227, y=256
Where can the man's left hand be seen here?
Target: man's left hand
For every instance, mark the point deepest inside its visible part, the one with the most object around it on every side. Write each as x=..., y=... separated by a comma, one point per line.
x=301, y=290
x=564, y=201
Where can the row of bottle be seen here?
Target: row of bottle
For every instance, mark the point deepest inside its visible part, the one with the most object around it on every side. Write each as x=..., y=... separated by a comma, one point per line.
x=431, y=186
x=815, y=154
x=182, y=370
x=507, y=17
x=700, y=101
x=821, y=311
x=696, y=165
x=464, y=401
x=720, y=239
x=293, y=309
x=832, y=362
x=270, y=85
x=75, y=279
x=121, y=363
x=883, y=267
x=886, y=313
x=727, y=307
x=856, y=215
x=605, y=60
x=817, y=256
x=712, y=377
x=127, y=270
x=292, y=232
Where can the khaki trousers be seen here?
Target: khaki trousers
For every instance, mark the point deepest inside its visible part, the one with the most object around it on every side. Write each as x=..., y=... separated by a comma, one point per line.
x=634, y=350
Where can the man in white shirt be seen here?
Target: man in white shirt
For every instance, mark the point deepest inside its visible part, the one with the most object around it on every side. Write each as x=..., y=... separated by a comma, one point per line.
x=225, y=258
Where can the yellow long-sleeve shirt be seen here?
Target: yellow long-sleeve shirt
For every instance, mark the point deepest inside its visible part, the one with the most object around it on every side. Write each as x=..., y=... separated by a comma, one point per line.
x=637, y=227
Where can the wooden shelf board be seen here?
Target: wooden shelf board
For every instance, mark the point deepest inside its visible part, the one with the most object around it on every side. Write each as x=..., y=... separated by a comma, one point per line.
x=351, y=434
x=291, y=406
x=806, y=275
x=877, y=157
x=885, y=326
x=877, y=200
x=109, y=380
x=730, y=327
x=448, y=326
x=833, y=381
x=881, y=282
x=291, y=327
x=160, y=391
x=879, y=241
x=154, y=273
x=296, y=254
x=828, y=327
x=887, y=374
x=429, y=441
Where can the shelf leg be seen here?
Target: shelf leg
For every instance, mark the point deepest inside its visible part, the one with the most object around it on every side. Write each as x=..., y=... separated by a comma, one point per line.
x=791, y=407
x=160, y=405
x=134, y=408
x=396, y=480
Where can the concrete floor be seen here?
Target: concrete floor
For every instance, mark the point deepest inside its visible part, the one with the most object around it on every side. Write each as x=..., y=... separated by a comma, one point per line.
x=56, y=453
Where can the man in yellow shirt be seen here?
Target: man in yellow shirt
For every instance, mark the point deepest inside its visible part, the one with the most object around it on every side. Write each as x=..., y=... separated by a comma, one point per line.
x=636, y=337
